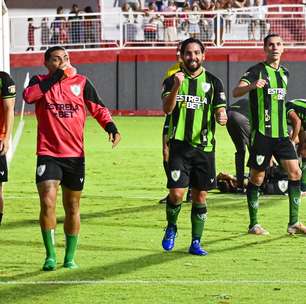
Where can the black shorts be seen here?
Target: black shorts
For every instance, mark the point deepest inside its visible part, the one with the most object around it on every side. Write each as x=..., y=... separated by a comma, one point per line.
x=190, y=166
x=69, y=170
x=263, y=147
x=3, y=169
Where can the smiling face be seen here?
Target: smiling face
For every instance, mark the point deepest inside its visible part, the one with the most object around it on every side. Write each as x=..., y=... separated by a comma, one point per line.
x=274, y=49
x=59, y=59
x=192, y=57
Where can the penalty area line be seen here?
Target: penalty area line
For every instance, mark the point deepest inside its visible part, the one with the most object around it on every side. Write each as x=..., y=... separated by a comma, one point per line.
x=156, y=282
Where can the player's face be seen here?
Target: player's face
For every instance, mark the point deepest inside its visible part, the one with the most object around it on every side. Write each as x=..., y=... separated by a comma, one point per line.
x=59, y=59
x=274, y=49
x=192, y=57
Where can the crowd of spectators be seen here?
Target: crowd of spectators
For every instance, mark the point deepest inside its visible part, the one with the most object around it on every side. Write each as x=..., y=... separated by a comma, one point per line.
x=78, y=29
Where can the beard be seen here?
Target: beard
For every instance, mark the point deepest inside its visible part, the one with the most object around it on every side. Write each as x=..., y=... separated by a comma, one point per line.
x=192, y=67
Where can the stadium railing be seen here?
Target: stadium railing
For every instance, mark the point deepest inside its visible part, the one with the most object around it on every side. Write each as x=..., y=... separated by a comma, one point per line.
x=243, y=28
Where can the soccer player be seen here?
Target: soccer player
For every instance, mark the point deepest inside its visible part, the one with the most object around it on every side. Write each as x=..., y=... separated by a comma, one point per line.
x=61, y=98
x=194, y=99
x=266, y=83
x=296, y=112
x=7, y=103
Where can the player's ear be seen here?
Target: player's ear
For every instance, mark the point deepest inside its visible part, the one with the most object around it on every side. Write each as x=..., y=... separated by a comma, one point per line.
x=203, y=56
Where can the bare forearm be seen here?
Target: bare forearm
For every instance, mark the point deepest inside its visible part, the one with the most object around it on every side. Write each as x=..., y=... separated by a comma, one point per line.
x=170, y=101
x=241, y=90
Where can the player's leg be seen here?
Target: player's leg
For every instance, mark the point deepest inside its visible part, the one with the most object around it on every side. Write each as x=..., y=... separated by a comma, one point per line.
x=3, y=178
x=1, y=202
x=72, y=186
x=294, y=192
x=178, y=180
x=302, y=154
x=71, y=202
x=48, y=176
x=165, y=150
x=260, y=155
x=47, y=191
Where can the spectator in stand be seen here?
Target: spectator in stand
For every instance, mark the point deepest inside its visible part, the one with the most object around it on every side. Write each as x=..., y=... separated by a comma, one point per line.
x=59, y=28
x=149, y=24
x=31, y=30
x=91, y=28
x=180, y=3
x=170, y=22
x=218, y=23
x=194, y=20
x=159, y=5
x=45, y=33
x=75, y=25
x=129, y=27
x=206, y=24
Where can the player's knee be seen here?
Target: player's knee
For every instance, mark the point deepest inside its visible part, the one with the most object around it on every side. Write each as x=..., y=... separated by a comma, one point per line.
x=176, y=196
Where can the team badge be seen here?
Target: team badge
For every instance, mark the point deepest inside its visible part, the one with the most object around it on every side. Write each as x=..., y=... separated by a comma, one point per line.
x=2, y=173
x=175, y=175
x=206, y=86
x=75, y=89
x=12, y=89
x=41, y=170
x=81, y=180
x=296, y=201
x=222, y=96
x=282, y=185
x=260, y=159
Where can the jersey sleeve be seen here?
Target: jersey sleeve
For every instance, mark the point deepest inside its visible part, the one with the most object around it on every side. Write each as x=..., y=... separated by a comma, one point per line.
x=219, y=98
x=167, y=86
x=250, y=75
x=8, y=89
x=95, y=106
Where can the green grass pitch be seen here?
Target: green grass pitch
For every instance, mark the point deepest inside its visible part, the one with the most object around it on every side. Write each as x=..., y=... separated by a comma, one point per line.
x=120, y=254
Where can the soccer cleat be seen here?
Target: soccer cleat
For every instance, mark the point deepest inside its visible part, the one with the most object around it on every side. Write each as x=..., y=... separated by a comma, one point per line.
x=258, y=230
x=50, y=264
x=297, y=228
x=163, y=200
x=169, y=238
x=70, y=264
x=196, y=249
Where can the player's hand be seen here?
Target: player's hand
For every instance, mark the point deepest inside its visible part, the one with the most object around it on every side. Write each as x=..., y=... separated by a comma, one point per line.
x=4, y=146
x=178, y=79
x=69, y=70
x=114, y=138
x=221, y=118
x=258, y=84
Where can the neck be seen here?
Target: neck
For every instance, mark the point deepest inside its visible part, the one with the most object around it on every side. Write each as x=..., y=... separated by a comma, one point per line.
x=273, y=63
x=195, y=73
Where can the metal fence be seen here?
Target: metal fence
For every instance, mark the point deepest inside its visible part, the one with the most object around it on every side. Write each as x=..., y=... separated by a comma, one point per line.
x=244, y=28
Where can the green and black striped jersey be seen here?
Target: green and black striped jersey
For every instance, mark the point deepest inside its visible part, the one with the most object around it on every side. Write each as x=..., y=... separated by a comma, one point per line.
x=299, y=107
x=192, y=119
x=267, y=104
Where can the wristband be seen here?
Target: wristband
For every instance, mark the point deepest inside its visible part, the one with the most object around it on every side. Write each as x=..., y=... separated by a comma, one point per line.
x=111, y=128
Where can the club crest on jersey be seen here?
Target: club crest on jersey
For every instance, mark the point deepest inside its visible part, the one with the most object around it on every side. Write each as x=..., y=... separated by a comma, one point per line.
x=282, y=185
x=206, y=86
x=41, y=170
x=11, y=89
x=75, y=89
x=175, y=175
x=260, y=159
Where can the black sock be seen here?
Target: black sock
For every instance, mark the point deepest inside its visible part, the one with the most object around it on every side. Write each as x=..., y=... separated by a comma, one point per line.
x=1, y=214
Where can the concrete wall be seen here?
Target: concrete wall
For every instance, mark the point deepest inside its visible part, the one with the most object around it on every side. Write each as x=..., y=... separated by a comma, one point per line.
x=134, y=82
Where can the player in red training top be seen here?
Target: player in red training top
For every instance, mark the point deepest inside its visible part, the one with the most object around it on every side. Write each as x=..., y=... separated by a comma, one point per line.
x=61, y=99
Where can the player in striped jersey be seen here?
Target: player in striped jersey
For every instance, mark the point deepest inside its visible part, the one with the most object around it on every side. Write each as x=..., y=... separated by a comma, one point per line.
x=266, y=83
x=194, y=99
x=296, y=112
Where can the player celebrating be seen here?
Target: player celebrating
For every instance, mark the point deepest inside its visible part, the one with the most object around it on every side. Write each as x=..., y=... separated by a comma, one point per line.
x=266, y=83
x=61, y=99
x=7, y=103
x=193, y=98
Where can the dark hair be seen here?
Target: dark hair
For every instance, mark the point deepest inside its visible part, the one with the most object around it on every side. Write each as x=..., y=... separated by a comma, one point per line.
x=52, y=49
x=88, y=9
x=30, y=19
x=60, y=8
x=270, y=35
x=191, y=40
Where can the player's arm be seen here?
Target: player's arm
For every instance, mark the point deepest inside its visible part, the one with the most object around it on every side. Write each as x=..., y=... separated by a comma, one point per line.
x=219, y=102
x=100, y=112
x=169, y=96
x=37, y=87
x=296, y=125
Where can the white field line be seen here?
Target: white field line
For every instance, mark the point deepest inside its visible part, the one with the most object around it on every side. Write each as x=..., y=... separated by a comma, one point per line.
x=157, y=282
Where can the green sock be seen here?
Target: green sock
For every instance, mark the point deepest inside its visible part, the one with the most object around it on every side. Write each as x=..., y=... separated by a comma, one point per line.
x=49, y=241
x=303, y=179
x=252, y=197
x=294, y=192
x=71, y=245
x=198, y=217
x=172, y=212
